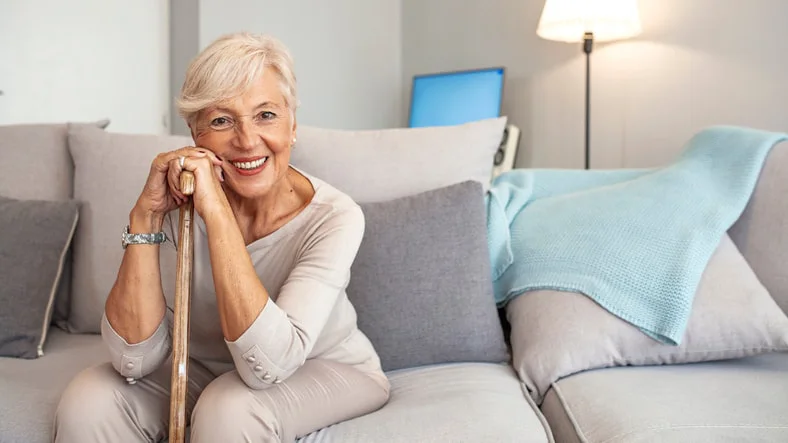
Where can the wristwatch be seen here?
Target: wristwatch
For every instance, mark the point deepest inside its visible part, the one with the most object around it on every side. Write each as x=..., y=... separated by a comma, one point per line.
x=154, y=238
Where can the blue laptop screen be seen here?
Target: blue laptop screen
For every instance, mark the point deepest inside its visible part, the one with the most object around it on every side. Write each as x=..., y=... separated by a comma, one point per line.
x=456, y=97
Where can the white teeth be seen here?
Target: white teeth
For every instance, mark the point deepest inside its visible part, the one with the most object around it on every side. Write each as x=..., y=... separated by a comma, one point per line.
x=250, y=165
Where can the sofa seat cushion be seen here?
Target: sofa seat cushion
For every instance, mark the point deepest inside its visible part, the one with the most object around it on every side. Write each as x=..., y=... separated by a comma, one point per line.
x=458, y=402
x=741, y=400
x=30, y=389
x=461, y=402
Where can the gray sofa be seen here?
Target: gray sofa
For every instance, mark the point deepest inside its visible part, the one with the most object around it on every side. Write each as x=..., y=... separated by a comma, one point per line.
x=461, y=370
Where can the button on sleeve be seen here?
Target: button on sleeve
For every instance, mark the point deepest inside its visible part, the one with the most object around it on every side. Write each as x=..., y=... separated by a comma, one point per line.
x=137, y=360
x=257, y=370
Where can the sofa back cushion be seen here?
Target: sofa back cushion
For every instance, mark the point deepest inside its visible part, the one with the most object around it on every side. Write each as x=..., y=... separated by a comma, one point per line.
x=37, y=165
x=378, y=165
x=36, y=162
x=421, y=282
x=761, y=232
x=110, y=172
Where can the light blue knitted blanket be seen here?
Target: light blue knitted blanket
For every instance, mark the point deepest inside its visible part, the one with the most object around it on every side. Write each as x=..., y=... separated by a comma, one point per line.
x=635, y=241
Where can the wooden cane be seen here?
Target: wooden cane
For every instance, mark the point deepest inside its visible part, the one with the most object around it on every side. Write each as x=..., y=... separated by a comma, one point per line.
x=180, y=330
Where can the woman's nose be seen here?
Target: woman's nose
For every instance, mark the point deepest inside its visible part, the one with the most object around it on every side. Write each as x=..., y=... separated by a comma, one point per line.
x=247, y=136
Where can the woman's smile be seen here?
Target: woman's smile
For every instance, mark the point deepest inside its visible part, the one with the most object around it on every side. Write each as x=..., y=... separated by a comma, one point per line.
x=249, y=166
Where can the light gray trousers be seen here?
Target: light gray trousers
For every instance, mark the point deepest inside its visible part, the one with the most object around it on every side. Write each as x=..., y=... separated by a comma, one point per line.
x=100, y=406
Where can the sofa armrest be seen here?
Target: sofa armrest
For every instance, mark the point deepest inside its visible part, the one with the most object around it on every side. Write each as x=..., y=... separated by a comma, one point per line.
x=761, y=233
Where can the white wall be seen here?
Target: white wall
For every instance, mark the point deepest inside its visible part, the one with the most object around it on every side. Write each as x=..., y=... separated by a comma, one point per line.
x=92, y=59
x=347, y=53
x=85, y=60
x=698, y=63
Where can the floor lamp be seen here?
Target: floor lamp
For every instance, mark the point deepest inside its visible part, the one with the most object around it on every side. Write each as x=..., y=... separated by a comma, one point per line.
x=588, y=21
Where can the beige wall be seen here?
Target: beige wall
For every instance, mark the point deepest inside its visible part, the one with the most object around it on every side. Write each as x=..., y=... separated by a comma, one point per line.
x=698, y=63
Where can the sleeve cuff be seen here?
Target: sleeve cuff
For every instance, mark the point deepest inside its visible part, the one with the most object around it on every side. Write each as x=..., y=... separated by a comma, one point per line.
x=252, y=351
x=137, y=360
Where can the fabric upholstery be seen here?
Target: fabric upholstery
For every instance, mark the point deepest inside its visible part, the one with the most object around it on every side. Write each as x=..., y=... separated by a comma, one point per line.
x=761, y=233
x=741, y=400
x=634, y=241
x=556, y=334
x=23, y=175
x=24, y=146
x=455, y=403
x=378, y=165
x=421, y=282
x=31, y=388
x=34, y=238
x=110, y=172
x=435, y=404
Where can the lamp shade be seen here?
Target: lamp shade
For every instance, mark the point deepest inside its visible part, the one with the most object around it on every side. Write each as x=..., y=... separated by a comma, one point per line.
x=568, y=20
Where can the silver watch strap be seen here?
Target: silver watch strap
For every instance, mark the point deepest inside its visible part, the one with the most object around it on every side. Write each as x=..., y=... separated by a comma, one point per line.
x=152, y=238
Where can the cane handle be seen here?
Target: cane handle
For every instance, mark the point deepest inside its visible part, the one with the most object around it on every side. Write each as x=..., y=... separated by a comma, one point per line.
x=187, y=182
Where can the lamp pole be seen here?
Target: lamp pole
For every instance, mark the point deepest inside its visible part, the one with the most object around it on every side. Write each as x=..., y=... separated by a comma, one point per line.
x=588, y=45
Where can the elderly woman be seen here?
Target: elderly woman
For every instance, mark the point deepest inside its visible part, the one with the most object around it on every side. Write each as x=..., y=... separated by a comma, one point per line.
x=275, y=349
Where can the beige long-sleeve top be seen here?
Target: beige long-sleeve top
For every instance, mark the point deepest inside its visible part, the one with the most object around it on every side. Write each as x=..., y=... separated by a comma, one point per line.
x=305, y=267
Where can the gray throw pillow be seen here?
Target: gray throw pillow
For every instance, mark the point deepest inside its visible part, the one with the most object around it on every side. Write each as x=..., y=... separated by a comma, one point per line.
x=23, y=146
x=35, y=236
x=421, y=282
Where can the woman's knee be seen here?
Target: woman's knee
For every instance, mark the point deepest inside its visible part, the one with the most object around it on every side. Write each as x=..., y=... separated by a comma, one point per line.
x=226, y=409
x=88, y=396
x=97, y=405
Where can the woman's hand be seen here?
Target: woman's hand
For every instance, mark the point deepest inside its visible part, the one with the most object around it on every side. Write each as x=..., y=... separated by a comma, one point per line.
x=208, y=193
x=161, y=193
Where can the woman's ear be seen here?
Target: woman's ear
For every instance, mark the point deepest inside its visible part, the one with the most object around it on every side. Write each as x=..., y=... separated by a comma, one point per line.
x=295, y=126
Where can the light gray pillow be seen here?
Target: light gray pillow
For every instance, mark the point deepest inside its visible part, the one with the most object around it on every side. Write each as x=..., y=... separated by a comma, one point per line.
x=34, y=238
x=110, y=172
x=557, y=334
x=380, y=165
x=23, y=148
x=761, y=232
x=421, y=282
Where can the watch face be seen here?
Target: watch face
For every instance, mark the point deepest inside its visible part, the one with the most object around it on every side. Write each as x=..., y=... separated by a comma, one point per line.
x=123, y=237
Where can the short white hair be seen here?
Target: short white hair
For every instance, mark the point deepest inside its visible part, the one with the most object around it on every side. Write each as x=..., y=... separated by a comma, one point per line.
x=229, y=66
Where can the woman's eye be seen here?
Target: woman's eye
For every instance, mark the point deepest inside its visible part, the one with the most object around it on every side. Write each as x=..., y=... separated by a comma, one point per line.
x=266, y=115
x=220, y=122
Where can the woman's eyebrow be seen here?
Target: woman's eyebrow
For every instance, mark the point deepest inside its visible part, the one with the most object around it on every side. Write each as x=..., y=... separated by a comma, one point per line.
x=266, y=104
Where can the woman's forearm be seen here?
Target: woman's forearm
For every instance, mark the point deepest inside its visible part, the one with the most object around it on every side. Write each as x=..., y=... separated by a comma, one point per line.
x=240, y=294
x=136, y=306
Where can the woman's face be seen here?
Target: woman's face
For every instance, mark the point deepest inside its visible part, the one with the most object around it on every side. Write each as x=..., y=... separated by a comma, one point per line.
x=252, y=135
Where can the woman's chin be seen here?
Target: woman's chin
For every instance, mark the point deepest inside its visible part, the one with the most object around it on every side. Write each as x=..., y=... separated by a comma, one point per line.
x=248, y=191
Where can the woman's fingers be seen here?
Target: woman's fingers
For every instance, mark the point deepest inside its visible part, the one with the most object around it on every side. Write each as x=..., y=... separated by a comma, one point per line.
x=199, y=153
x=173, y=180
x=194, y=163
x=214, y=158
x=193, y=158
